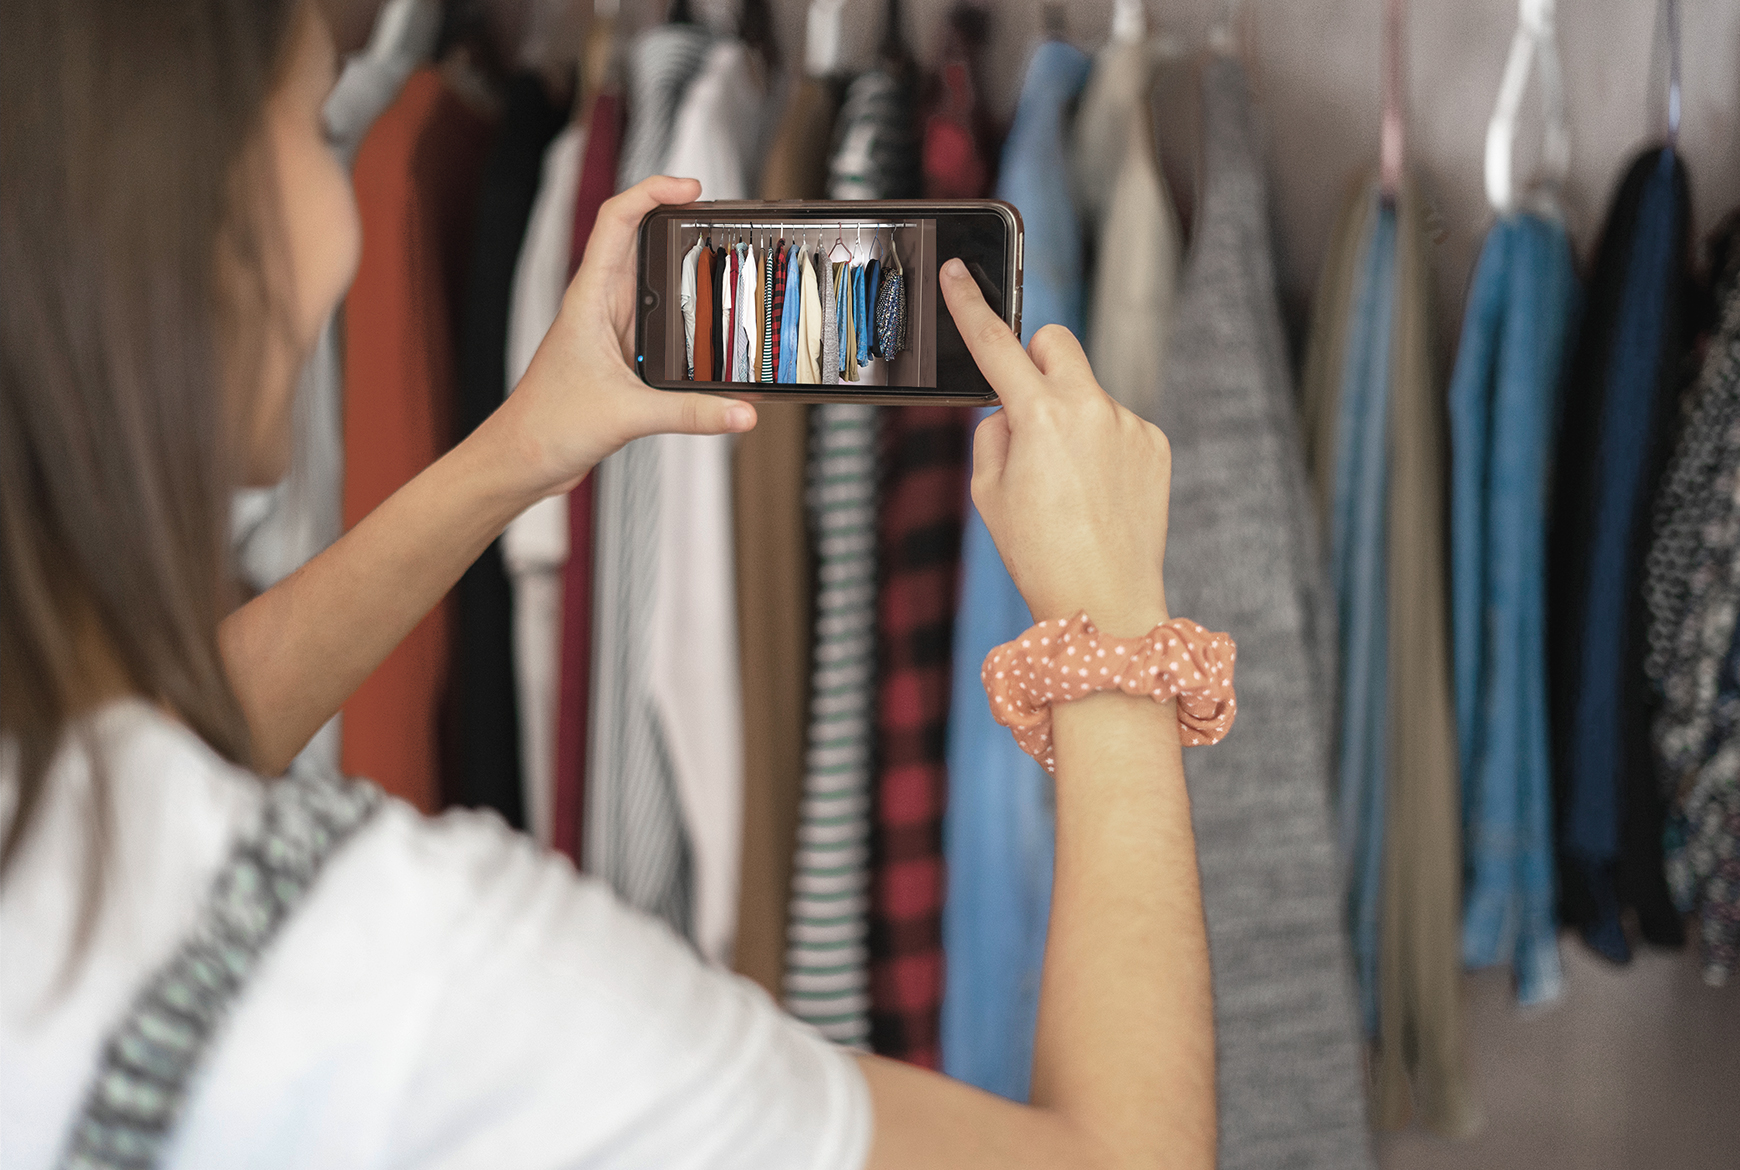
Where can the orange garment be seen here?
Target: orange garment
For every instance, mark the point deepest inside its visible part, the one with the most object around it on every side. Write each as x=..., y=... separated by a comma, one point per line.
x=416, y=186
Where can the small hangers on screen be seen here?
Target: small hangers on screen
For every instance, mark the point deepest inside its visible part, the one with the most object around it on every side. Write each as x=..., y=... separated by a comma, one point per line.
x=1535, y=43
x=1391, y=135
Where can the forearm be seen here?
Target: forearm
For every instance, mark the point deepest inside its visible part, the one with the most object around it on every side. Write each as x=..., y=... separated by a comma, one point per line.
x=297, y=652
x=1125, y=1043
x=1123, y=1072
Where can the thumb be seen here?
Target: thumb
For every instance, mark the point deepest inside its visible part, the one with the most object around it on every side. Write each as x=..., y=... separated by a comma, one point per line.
x=669, y=412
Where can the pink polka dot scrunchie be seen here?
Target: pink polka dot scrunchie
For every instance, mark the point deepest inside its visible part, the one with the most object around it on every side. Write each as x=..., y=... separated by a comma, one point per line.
x=1066, y=659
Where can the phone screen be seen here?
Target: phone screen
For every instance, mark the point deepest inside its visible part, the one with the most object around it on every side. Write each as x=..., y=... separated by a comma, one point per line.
x=821, y=301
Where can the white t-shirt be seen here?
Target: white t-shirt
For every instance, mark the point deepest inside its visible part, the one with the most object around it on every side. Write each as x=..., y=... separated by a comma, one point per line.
x=448, y=995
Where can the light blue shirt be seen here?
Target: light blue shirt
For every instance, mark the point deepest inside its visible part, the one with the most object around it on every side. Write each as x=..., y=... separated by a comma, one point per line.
x=999, y=824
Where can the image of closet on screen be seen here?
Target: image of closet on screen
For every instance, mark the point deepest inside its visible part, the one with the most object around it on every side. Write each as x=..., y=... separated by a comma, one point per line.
x=844, y=303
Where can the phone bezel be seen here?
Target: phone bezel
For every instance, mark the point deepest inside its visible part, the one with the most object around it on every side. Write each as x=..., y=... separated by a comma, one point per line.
x=652, y=258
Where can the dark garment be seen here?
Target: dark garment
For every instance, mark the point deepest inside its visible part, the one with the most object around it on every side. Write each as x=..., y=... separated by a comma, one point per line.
x=1613, y=442
x=872, y=286
x=704, y=314
x=484, y=771
x=924, y=449
x=721, y=318
x=597, y=183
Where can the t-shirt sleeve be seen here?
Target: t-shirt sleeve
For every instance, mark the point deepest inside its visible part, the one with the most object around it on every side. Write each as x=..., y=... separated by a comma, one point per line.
x=540, y=1023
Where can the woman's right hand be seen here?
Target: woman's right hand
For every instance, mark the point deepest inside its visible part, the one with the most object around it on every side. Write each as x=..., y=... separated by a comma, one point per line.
x=1072, y=486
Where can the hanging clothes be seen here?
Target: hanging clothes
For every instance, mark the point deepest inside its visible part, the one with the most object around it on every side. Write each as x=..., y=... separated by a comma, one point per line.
x=843, y=306
x=635, y=835
x=781, y=268
x=1129, y=215
x=790, y=297
x=811, y=323
x=745, y=300
x=890, y=319
x=796, y=166
x=416, y=188
x=728, y=312
x=769, y=278
x=957, y=138
x=535, y=546
x=1375, y=457
x=1612, y=444
x=1692, y=591
x=830, y=289
x=485, y=770
x=701, y=356
x=998, y=833
x=1242, y=555
x=686, y=302
x=277, y=530
x=659, y=65
x=1503, y=404
x=774, y=587
x=827, y=959
x=693, y=673
x=918, y=541
x=574, y=691
x=860, y=332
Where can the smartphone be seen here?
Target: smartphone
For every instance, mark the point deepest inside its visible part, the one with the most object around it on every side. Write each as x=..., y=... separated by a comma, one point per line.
x=885, y=253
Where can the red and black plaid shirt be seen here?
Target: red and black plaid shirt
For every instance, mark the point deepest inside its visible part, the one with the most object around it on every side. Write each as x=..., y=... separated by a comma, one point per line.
x=919, y=548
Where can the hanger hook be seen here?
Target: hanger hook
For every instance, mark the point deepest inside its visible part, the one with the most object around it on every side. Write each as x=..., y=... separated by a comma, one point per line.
x=1673, y=97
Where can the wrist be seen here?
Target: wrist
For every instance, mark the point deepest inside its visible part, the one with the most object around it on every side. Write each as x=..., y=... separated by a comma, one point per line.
x=515, y=462
x=498, y=468
x=1116, y=614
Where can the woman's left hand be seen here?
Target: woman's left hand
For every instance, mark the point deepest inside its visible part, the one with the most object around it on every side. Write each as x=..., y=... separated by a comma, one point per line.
x=581, y=399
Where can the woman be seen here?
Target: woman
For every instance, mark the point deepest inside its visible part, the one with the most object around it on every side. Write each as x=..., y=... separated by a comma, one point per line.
x=173, y=231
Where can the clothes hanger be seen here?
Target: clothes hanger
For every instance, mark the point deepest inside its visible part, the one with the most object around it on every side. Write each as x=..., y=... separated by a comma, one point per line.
x=822, y=37
x=1673, y=95
x=840, y=242
x=1534, y=43
x=1391, y=140
x=1129, y=21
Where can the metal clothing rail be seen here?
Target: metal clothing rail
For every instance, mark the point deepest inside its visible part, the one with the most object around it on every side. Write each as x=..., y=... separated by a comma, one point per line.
x=805, y=225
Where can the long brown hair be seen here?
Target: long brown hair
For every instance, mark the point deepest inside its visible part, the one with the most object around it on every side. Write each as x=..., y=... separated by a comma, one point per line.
x=130, y=197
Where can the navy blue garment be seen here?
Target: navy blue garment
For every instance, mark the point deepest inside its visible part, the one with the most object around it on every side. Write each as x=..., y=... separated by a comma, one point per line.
x=1613, y=443
x=999, y=825
x=1503, y=401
